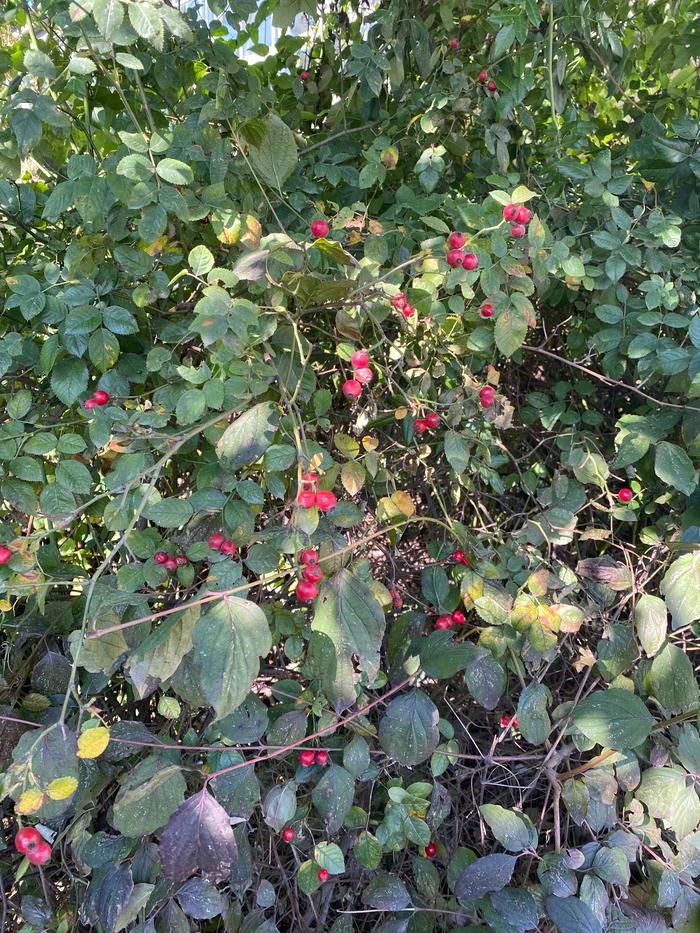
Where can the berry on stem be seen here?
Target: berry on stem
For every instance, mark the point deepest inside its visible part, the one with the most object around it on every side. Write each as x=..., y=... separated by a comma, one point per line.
x=625, y=494
x=398, y=301
x=326, y=500
x=491, y=86
x=216, y=540
x=454, y=258
x=359, y=359
x=507, y=721
x=364, y=375
x=321, y=758
x=322, y=875
x=470, y=261
x=523, y=215
x=160, y=557
x=101, y=397
x=458, y=617
x=486, y=396
x=40, y=853
x=306, y=592
x=518, y=231
x=313, y=574
x=319, y=228
x=90, y=404
x=5, y=554
x=408, y=310
x=309, y=557
x=26, y=839
x=444, y=622
x=288, y=834
x=454, y=43
x=431, y=850
x=171, y=563
x=432, y=419
x=306, y=758
x=352, y=388
x=181, y=560
x=309, y=480
x=460, y=557
x=483, y=77
x=486, y=310
x=306, y=499
x=304, y=75
x=456, y=240
x=228, y=548
x=420, y=426
x=509, y=211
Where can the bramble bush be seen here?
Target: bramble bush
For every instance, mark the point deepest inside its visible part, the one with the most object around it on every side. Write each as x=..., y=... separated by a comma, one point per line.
x=350, y=565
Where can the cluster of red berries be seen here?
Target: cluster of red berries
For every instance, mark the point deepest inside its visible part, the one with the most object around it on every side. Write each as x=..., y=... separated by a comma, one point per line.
x=460, y=557
x=99, y=398
x=219, y=542
x=486, y=396
x=362, y=376
x=311, y=495
x=508, y=722
x=319, y=228
x=431, y=421
x=456, y=255
x=400, y=302
x=484, y=79
x=311, y=576
x=520, y=217
x=29, y=842
x=624, y=495
x=309, y=757
x=170, y=561
x=453, y=618
x=5, y=554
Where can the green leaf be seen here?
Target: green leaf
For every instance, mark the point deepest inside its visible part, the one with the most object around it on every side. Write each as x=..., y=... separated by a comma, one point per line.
x=146, y=21
x=510, y=331
x=307, y=878
x=174, y=171
x=386, y=892
x=69, y=380
x=158, y=657
x=513, y=830
x=487, y=874
x=534, y=722
x=571, y=915
x=666, y=794
x=613, y=718
x=329, y=856
x=485, y=679
x=441, y=656
x=280, y=805
x=333, y=796
x=651, y=622
x=275, y=156
x=247, y=439
x=190, y=406
x=149, y=795
x=457, y=450
x=169, y=513
x=681, y=589
x=434, y=585
x=74, y=476
x=39, y=64
x=673, y=466
x=40, y=757
x=368, y=850
x=356, y=759
x=201, y=260
x=408, y=730
x=672, y=681
x=109, y=15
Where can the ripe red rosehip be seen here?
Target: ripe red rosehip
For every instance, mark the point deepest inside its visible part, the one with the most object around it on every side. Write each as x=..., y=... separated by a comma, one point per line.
x=321, y=758
x=458, y=617
x=181, y=560
x=170, y=563
x=228, y=548
x=459, y=556
x=313, y=574
x=444, y=622
x=288, y=834
x=454, y=258
x=308, y=557
x=319, y=228
x=160, y=557
x=322, y=875
x=40, y=853
x=518, y=231
x=359, y=359
x=90, y=404
x=491, y=86
x=419, y=426
x=431, y=850
x=483, y=77
x=306, y=592
x=486, y=310
x=306, y=758
x=304, y=75
x=101, y=397
x=5, y=554
x=352, y=388
x=456, y=240
x=309, y=480
x=507, y=721
x=509, y=212
x=216, y=540
x=486, y=396
x=398, y=301
x=470, y=261
x=364, y=375
x=26, y=839
x=523, y=215
x=408, y=310
x=625, y=494
x=326, y=500
x=432, y=419
x=454, y=43
x=306, y=499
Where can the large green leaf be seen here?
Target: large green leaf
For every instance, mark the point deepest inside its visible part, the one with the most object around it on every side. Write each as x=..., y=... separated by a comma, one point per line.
x=157, y=657
x=333, y=796
x=408, y=730
x=274, y=156
x=149, y=795
x=613, y=718
x=674, y=466
x=681, y=589
x=514, y=830
x=247, y=439
x=673, y=682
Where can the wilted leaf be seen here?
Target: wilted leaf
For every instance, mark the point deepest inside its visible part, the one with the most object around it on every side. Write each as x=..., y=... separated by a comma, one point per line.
x=198, y=838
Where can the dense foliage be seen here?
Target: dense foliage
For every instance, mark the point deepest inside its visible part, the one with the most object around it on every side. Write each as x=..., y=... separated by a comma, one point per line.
x=480, y=713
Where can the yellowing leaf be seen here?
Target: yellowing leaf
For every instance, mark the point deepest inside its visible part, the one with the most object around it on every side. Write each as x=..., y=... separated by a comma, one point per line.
x=352, y=476
x=347, y=445
x=93, y=742
x=369, y=442
x=404, y=503
x=29, y=802
x=60, y=788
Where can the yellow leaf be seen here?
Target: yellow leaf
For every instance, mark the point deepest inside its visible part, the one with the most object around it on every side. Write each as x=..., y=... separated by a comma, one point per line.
x=347, y=445
x=93, y=742
x=29, y=802
x=60, y=788
x=369, y=442
x=352, y=477
x=400, y=413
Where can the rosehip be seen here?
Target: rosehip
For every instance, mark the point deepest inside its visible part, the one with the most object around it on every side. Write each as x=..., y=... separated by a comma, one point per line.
x=160, y=557
x=486, y=310
x=431, y=850
x=321, y=758
x=456, y=240
x=322, y=875
x=170, y=564
x=454, y=43
x=216, y=540
x=509, y=211
x=181, y=560
x=101, y=397
x=359, y=359
x=486, y=396
x=470, y=261
x=319, y=228
x=432, y=419
x=40, y=854
x=326, y=500
x=309, y=480
x=309, y=558
x=523, y=215
x=306, y=592
x=5, y=554
x=459, y=556
x=306, y=758
x=491, y=86
x=458, y=617
x=408, y=310
x=507, y=721
x=419, y=426
x=288, y=834
x=90, y=404
x=304, y=76
x=364, y=375
x=306, y=499
x=454, y=258
x=518, y=231
x=26, y=839
x=313, y=574
x=228, y=548
x=444, y=622
x=625, y=494
x=398, y=301
x=483, y=77
x=352, y=388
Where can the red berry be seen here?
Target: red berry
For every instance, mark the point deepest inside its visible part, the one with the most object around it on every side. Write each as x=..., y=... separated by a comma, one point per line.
x=419, y=426
x=326, y=500
x=160, y=557
x=322, y=875
x=458, y=617
x=486, y=309
x=431, y=850
x=228, y=548
x=309, y=480
x=625, y=494
x=181, y=560
x=40, y=854
x=352, y=388
x=313, y=574
x=518, y=231
x=306, y=592
x=507, y=721
x=216, y=540
x=483, y=77
x=454, y=258
x=509, y=212
x=304, y=75
x=90, y=404
x=170, y=563
x=432, y=419
x=306, y=758
x=398, y=301
x=321, y=758
x=5, y=554
x=491, y=86
x=486, y=396
x=364, y=375
x=408, y=311
x=26, y=839
x=523, y=215
x=456, y=240
x=308, y=557
x=101, y=397
x=319, y=228
x=444, y=622
x=458, y=555
x=359, y=359
x=396, y=600
x=306, y=499
x=470, y=261
x=288, y=834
